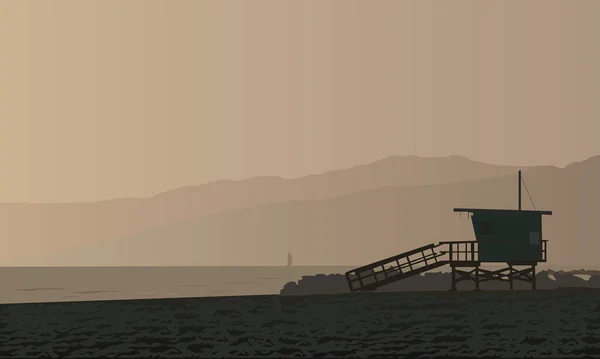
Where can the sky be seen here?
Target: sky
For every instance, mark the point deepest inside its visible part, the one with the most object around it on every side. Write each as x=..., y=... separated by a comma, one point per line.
x=105, y=99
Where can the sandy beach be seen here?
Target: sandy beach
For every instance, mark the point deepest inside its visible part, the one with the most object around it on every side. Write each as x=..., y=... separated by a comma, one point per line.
x=544, y=323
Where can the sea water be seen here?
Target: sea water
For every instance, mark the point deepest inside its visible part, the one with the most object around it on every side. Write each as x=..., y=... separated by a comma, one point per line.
x=58, y=284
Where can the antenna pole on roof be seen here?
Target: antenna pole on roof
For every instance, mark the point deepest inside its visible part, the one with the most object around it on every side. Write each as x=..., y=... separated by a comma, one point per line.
x=519, y=190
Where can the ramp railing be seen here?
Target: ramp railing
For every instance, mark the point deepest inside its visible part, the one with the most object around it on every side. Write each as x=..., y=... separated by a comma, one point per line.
x=410, y=263
x=462, y=251
x=391, y=269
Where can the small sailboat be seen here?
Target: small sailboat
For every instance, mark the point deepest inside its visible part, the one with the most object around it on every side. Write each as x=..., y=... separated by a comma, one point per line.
x=289, y=259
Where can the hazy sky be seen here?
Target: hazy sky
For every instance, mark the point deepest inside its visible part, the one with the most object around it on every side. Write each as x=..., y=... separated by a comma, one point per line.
x=111, y=98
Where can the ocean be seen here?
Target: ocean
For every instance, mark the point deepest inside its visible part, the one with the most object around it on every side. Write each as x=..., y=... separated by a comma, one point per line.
x=60, y=284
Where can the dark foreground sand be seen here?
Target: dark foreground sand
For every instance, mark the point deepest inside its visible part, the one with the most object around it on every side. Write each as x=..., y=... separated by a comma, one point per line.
x=550, y=323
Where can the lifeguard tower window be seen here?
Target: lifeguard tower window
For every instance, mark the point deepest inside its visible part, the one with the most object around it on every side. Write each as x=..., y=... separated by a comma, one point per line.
x=534, y=238
x=485, y=228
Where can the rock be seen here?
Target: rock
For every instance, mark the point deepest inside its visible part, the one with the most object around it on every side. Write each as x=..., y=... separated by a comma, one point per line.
x=568, y=280
x=336, y=283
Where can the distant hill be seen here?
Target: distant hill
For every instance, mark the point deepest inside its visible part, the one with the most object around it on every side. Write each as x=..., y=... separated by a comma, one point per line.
x=30, y=232
x=223, y=196
x=366, y=225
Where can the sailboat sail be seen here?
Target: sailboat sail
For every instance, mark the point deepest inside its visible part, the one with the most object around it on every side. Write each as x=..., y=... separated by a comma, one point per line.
x=289, y=259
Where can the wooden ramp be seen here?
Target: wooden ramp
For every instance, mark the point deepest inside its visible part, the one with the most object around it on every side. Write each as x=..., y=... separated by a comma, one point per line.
x=408, y=264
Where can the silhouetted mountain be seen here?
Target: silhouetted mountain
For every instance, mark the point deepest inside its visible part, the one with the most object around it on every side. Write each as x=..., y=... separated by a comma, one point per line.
x=32, y=232
x=362, y=227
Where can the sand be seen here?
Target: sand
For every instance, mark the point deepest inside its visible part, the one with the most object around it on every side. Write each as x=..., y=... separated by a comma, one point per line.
x=564, y=322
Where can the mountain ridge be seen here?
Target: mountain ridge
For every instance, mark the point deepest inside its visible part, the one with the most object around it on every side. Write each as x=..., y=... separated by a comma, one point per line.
x=326, y=228
x=74, y=226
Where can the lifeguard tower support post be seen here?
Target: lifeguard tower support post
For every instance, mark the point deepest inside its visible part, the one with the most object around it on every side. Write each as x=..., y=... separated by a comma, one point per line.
x=506, y=236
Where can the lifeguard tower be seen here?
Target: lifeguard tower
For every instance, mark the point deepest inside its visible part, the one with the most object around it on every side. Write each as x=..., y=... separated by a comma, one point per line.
x=506, y=236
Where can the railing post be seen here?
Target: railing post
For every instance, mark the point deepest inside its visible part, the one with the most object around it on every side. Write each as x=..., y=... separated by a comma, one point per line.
x=349, y=282
x=453, y=278
x=473, y=252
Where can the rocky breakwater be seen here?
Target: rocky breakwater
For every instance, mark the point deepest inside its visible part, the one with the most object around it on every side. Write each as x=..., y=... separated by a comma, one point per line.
x=438, y=281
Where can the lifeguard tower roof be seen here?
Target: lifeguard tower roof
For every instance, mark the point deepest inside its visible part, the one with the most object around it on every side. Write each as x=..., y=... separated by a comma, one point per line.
x=501, y=211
